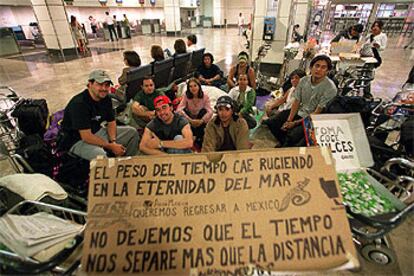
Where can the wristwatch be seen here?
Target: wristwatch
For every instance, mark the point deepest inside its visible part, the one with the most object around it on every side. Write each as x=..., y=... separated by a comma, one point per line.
x=112, y=140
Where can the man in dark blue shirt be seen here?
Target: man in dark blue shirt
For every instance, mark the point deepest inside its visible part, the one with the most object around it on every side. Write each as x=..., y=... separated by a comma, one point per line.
x=83, y=132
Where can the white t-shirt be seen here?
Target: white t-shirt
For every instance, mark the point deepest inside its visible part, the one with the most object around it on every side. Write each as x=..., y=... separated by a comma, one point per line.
x=289, y=100
x=192, y=48
x=381, y=39
x=109, y=20
x=241, y=21
x=235, y=92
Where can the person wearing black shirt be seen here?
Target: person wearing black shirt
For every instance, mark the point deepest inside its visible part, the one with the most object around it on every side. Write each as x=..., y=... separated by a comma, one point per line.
x=352, y=33
x=82, y=131
x=208, y=73
x=167, y=133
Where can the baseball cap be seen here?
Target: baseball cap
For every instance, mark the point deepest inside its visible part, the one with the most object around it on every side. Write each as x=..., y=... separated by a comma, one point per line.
x=161, y=100
x=225, y=101
x=100, y=76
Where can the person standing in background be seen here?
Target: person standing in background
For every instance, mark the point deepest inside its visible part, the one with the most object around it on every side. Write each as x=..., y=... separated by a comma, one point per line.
x=241, y=24
x=78, y=34
x=94, y=26
x=296, y=36
x=378, y=40
x=111, y=28
x=125, y=24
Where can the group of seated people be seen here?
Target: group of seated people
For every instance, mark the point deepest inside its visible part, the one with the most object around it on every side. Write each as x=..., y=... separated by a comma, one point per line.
x=192, y=125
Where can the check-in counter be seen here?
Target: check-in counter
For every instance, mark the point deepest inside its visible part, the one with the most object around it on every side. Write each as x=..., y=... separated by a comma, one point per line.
x=146, y=26
x=207, y=22
x=156, y=28
x=107, y=36
x=8, y=42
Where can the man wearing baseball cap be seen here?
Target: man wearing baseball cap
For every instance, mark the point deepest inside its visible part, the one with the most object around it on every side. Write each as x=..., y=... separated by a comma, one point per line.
x=167, y=132
x=82, y=130
x=226, y=130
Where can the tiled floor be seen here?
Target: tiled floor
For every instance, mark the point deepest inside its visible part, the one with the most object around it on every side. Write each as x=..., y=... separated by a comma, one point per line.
x=38, y=76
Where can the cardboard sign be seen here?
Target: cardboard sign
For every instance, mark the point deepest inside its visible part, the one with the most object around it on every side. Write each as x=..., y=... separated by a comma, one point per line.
x=345, y=135
x=274, y=210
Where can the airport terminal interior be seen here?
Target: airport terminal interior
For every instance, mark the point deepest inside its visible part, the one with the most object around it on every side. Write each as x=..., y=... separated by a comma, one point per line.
x=48, y=49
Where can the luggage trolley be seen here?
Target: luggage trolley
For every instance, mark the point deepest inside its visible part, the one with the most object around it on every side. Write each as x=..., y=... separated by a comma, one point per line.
x=369, y=232
x=10, y=146
x=9, y=130
x=64, y=262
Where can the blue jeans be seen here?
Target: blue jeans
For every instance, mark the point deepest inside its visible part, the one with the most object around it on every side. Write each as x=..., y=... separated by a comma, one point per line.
x=178, y=151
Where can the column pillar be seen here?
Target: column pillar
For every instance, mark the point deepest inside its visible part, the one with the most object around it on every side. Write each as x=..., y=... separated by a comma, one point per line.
x=55, y=27
x=218, y=13
x=172, y=17
x=371, y=18
x=281, y=9
x=301, y=15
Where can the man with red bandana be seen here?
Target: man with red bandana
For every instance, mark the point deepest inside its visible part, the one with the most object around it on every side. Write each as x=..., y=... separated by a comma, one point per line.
x=167, y=133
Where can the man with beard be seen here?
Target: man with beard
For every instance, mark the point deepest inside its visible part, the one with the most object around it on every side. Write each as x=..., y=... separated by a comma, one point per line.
x=83, y=132
x=143, y=109
x=168, y=132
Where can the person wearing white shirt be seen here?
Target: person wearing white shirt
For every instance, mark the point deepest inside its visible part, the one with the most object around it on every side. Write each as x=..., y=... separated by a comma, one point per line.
x=375, y=43
x=111, y=28
x=377, y=40
x=241, y=23
x=191, y=43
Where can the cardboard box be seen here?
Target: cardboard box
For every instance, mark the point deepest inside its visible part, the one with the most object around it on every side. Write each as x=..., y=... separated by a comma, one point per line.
x=231, y=212
x=345, y=135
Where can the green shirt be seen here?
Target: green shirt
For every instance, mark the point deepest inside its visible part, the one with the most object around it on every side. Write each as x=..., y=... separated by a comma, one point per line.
x=147, y=100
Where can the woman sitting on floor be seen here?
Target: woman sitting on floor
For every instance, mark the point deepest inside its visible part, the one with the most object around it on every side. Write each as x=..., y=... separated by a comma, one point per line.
x=285, y=102
x=195, y=107
x=279, y=110
x=245, y=97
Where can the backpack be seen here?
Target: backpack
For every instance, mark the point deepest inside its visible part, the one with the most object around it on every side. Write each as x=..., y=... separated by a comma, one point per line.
x=38, y=154
x=73, y=172
x=32, y=116
x=344, y=104
x=55, y=124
